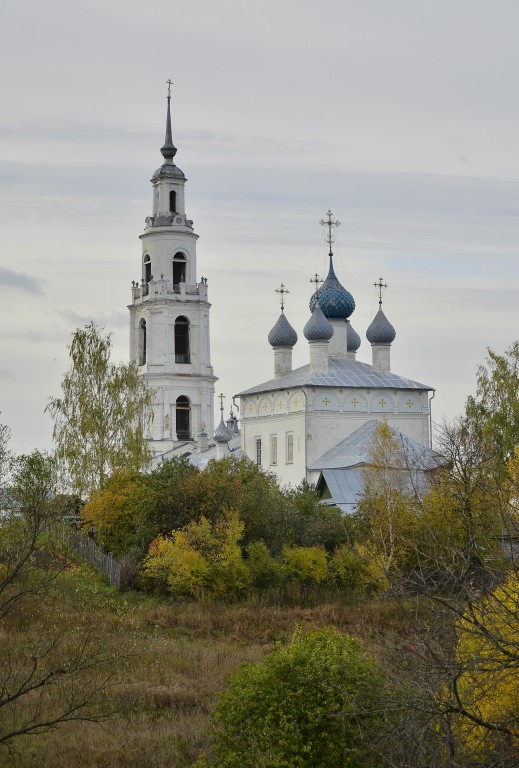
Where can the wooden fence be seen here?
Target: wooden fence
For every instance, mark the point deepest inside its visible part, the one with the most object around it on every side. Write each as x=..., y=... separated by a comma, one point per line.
x=88, y=549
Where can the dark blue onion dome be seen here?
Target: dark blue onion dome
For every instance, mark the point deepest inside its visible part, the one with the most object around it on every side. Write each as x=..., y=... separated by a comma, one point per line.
x=223, y=434
x=380, y=331
x=352, y=338
x=282, y=334
x=336, y=302
x=318, y=328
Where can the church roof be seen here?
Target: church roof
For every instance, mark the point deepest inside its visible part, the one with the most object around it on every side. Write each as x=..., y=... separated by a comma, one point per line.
x=342, y=372
x=355, y=450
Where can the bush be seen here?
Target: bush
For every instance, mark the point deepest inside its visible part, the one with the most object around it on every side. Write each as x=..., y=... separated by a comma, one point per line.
x=353, y=569
x=307, y=565
x=312, y=703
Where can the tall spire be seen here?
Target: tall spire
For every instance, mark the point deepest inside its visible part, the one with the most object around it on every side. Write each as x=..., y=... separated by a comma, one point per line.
x=168, y=150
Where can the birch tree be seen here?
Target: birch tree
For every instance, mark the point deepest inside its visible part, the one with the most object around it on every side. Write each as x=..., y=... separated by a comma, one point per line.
x=101, y=417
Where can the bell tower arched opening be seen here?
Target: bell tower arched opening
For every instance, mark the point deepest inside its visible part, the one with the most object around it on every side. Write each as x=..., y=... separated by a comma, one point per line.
x=179, y=270
x=147, y=270
x=183, y=418
x=182, y=352
x=172, y=201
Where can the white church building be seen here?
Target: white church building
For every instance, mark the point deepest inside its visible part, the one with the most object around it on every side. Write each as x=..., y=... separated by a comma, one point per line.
x=314, y=423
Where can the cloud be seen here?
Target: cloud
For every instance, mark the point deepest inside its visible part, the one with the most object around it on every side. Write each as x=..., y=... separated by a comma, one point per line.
x=104, y=320
x=24, y=283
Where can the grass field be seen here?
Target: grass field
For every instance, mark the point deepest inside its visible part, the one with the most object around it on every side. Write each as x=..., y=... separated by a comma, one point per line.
x=166, y=662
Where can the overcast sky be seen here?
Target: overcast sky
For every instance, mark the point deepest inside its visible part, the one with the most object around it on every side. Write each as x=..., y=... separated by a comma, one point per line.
x=402, y=116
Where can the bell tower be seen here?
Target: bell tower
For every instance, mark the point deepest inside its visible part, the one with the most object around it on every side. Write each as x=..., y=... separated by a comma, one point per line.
x=169, y=313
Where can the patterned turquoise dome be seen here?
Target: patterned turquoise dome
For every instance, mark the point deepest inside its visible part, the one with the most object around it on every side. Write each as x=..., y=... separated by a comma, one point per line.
x=336, y=302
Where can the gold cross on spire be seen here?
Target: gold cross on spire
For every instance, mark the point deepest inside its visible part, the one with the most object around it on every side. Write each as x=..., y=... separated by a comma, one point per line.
x=316, y=279
x=330, y=223
x=282, y=290
x=380, y=285
x=169, y=83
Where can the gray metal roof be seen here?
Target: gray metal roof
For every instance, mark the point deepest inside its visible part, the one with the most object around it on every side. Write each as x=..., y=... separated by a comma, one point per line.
x=355, y=450
x=345, y=487
x=342, y=372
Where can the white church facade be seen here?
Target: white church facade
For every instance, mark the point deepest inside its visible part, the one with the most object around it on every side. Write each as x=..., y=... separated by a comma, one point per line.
x=314, y=423
x=310, y=423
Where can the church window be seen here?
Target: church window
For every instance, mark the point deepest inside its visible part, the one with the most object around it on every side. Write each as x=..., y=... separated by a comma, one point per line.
x=183, y=414
x=258, y=450
x=290, y=448
x=142, y=342
x=182, y=354
x=147, y=270
x=273, y=449
x=179, y=271
x=173, y=201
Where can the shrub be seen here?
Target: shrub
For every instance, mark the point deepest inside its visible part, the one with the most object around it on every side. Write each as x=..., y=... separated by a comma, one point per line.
x=311, y=703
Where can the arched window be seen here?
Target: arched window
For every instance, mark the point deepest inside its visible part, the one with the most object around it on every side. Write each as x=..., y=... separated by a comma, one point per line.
x=172, y=201
x=142, y=342
x=179, y=270
x=183, y=412
x=147, y=270
x=182, y=340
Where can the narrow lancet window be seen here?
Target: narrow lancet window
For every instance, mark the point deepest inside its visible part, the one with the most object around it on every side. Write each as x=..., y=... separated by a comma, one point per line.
x=183, y=414
x=179, y=270
x=182, y=354
x=142, y=342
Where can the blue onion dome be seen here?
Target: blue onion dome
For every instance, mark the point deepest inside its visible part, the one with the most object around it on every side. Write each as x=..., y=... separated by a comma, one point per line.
x=318, y=328
x=282, y=334
x=223, y=434
x=352, y=338
x=380, y=331
x=336, y=302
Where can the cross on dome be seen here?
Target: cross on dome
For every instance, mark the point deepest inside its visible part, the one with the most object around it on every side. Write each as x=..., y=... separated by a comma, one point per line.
x=330, y=223
x=282, y=290
x=380, y=285
x=169, y=83
x=316, y=279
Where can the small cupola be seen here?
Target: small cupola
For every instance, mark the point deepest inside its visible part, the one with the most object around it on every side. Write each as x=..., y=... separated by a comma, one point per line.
x=381, y=334
x=282, y=338
x=318, y=331
x=352, y=340
x=222, y=435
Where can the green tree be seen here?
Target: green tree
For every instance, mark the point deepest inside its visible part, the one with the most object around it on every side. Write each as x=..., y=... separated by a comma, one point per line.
x=494, y=410
x=310, y=704
x=386, y=516
x=100, y=419
x=52, y=677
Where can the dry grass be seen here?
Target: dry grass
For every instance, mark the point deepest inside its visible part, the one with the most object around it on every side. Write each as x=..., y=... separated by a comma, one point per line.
x=172, y=659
